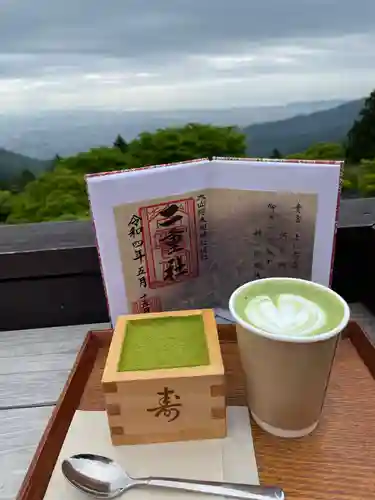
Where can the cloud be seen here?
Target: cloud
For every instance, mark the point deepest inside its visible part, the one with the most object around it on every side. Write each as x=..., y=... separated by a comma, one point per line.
x=154, y=54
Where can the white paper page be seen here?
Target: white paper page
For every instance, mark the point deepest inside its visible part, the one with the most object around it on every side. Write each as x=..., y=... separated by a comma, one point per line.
x=230, y=459
x=296, y=177
x=109, y=191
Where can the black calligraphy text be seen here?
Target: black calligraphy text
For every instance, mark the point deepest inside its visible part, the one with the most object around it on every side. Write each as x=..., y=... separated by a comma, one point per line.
x=168, y=407
x=135, y=235
x=201, y=208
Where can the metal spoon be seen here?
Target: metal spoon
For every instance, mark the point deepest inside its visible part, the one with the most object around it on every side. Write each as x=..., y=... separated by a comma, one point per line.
x=101, y=477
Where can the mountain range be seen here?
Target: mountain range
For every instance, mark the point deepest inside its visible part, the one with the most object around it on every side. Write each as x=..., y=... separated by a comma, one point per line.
x=290, y=129
x=13, y=164
x=296, y=134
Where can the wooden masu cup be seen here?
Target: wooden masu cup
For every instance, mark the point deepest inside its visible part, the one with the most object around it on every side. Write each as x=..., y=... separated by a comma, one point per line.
x=167, y=404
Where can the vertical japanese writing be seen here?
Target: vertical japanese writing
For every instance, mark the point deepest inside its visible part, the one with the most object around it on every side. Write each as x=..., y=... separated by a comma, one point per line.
x=283, y=242
x=269, y=254
x=298, y=212
x=296, y=250
x=135, y=234
x=201, y=209
x=271, y=210
x=276, y=249
x=172, y=242
x=170, y=238
x=146, y=303
x=258, y=254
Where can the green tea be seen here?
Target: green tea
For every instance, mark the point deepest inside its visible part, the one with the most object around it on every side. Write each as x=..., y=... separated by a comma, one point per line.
x=167, y=342
x=287, y=307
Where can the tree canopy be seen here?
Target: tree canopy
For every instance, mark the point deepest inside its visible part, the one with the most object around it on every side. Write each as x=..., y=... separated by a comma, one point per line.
x=57, y=195
x=322, y=151
x=121, y=144
x=193, y=141
x=276, y=154
x=5, y=205
x=60, y=193
x=360, y=143
x=96, y=160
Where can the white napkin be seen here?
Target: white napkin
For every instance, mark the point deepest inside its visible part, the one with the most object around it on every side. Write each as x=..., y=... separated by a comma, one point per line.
x=231, y=459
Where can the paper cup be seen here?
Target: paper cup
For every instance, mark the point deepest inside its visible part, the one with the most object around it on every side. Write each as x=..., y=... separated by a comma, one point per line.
x=286, y=377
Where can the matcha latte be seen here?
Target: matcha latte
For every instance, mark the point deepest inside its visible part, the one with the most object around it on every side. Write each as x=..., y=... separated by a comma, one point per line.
x=289, y=309
x=287, y=332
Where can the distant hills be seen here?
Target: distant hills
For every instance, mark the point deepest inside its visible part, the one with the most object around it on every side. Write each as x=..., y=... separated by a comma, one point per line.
x=296, y=134
x=68, y=132
x=13, y=164
x=297, y=126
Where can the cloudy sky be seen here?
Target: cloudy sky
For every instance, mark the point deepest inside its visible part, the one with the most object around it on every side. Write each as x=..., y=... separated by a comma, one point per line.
x=175, y=54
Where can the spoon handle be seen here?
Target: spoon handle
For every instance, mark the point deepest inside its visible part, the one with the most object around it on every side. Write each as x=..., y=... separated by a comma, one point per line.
x=229, y=490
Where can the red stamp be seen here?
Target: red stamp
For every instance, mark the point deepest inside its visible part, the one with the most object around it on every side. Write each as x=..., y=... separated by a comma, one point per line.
x=170, y=242
x=146, y=304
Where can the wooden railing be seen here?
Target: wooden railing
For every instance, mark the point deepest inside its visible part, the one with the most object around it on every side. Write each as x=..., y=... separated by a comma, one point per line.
x=50, y=276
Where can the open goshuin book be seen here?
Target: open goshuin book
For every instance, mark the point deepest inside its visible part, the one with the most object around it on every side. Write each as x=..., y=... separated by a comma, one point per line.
x=185, y=235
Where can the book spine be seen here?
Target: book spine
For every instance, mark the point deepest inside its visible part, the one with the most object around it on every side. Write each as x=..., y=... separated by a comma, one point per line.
x=336, y=221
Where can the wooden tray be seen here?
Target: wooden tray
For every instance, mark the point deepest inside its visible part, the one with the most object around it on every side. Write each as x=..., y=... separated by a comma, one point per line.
x=336, y=462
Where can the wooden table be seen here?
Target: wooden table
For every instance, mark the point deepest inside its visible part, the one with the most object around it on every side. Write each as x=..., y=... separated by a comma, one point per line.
x=34, y=365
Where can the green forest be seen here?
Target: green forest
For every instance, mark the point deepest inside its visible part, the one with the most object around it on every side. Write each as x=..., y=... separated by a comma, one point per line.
x=59, y=193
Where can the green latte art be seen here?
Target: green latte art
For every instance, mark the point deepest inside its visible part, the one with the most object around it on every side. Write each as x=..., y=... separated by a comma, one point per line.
x=286, y=314
x=289, y=308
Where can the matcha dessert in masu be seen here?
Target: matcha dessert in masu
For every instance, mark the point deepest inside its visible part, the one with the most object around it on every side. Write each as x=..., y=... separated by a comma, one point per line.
x=166, y=342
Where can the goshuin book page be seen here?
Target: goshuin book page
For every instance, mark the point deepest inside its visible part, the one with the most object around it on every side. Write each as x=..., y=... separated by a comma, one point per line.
x=163, y=247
